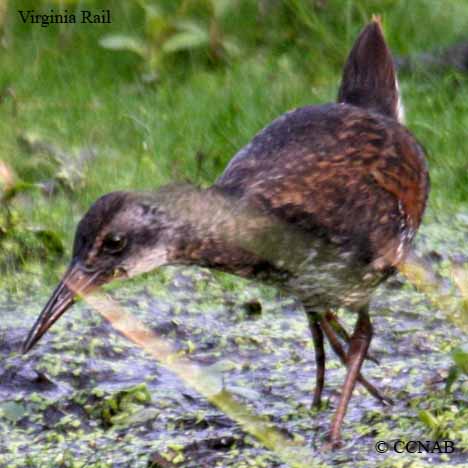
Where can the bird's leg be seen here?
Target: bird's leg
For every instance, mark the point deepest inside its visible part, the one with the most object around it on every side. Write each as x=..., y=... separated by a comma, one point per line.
x=358, y=346
x=317, y=337
x=343, y=334
x=332, y=319
x=329, y=331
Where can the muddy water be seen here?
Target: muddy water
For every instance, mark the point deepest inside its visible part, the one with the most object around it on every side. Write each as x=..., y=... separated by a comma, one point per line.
x=87, y=397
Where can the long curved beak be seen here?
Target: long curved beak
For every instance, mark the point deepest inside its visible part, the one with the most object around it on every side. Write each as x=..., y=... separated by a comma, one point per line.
x=75, y=282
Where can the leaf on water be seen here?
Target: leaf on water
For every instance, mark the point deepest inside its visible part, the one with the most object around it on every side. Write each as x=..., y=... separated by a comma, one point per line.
x=460, y=276
x=460, y=357
x=428, y=419
x=12, y=411
x=244, y=392
x=123, y=42
x=138, y=417
x=452, y=377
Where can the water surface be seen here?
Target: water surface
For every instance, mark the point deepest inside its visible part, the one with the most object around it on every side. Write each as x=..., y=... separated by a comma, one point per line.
x=85, y=396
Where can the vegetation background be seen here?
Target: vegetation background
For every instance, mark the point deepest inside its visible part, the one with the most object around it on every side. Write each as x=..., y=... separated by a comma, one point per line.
x=171, y=89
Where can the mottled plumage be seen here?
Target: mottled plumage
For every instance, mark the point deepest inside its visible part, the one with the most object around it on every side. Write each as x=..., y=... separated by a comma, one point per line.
x=355, y=179
x=324, y=202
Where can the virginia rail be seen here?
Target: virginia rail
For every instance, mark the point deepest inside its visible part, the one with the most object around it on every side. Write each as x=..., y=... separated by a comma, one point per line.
x=324, y=203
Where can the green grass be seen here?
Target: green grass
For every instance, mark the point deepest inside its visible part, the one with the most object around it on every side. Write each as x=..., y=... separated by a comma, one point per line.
x=72, y=93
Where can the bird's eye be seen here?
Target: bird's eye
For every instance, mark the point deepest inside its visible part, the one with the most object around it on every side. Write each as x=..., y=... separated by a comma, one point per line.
x=114, y=243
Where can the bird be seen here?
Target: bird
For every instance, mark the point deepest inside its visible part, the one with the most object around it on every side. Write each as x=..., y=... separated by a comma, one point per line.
x=324, y=203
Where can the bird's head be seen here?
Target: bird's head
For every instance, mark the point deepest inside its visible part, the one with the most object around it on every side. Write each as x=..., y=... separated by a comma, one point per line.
x=123, y=234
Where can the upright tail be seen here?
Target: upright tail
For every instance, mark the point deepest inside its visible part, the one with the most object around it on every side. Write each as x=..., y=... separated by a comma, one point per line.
x=369, y=76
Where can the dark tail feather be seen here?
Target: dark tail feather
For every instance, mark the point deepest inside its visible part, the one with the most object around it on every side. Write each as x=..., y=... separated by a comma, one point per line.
x=369, y=77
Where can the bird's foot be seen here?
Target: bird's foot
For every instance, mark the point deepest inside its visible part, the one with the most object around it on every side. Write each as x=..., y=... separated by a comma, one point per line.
x=320, y=405
x=316, y=404
x=331, y=444
x=377, y=394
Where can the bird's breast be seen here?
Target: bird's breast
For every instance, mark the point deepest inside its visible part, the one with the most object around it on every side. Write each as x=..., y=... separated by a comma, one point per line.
x=337, y=281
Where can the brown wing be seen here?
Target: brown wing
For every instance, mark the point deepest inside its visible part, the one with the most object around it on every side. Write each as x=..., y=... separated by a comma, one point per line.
x=343, y=173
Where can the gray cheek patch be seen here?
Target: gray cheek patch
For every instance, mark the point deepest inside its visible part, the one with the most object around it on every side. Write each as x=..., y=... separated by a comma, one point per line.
x=147, y=259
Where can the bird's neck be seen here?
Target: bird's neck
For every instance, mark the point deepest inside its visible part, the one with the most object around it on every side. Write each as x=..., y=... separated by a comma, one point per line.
x=215, y=230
